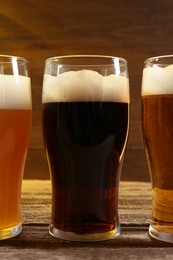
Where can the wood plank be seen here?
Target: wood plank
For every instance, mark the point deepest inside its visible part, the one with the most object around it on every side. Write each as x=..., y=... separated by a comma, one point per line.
x=36, y=243
x=134, y=31
x=134, y=202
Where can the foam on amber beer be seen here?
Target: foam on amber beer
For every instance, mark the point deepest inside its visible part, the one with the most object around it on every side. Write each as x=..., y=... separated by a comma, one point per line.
x=157, y=80
x=85, y=85
x=15, y=92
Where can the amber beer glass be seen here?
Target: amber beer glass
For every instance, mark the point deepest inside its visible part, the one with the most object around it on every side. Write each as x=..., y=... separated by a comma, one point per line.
x=157, y=127
x=85, y=127
x=15, y=124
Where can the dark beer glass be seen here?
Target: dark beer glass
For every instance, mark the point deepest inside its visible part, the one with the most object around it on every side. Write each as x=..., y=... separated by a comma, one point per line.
x=157, y=128
x=85, y=127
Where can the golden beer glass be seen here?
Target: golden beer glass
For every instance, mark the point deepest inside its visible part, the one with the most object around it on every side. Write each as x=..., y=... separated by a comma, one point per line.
x=15, y=118
x=157, y=129
x=85, y=127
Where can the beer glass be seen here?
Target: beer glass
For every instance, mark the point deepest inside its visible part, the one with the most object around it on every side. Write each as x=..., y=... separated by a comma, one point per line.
x=15, y=118
x=85, y=127
x=157, y=128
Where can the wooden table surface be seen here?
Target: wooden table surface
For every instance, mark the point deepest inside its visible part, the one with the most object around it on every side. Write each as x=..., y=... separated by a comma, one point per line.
x=35, y=242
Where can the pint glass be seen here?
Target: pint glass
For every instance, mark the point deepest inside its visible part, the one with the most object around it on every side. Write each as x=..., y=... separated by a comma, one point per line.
x=15, y=124
x=157, y=127
x=85, y=127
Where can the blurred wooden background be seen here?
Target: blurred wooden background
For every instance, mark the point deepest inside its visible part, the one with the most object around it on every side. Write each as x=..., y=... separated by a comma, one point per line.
x=135, y=30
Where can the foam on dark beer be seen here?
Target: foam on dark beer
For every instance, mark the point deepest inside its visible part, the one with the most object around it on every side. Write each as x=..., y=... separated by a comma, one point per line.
x=15, y=92
x=85, y=85
x=157, y=81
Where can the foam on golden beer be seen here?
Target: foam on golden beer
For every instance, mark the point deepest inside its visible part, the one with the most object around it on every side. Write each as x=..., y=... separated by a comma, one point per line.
x=15, y=92
x=83, y=86
x=157, y=80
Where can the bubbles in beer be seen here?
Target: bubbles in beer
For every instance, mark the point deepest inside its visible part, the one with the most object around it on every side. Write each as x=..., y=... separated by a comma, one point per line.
x=15, y=92
x=85, y=85
x=157, y=80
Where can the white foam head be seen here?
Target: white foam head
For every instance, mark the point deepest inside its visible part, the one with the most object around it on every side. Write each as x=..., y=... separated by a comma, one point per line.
x=157, y=80
x=15, y=92
x=85, y=85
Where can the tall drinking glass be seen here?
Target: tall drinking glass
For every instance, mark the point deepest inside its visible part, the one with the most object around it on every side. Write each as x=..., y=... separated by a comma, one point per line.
x=157, y=127
x=85, y=127
x=15, y=118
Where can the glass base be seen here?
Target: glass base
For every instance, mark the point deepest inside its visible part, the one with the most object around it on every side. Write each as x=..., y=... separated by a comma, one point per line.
x=70, y=236
x=161, y=235
x=10, y=232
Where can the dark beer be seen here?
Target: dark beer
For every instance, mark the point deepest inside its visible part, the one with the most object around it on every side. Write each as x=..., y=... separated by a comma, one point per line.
x=85, y=143
x=85, y=128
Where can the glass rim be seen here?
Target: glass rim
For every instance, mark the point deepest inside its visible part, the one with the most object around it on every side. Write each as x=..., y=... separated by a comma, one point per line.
x=155, y=59
x=57, y=60
x=10, y=58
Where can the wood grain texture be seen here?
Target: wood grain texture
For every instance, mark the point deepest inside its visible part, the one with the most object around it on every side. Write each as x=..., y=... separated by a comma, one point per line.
x=134, y=202
x=133, y=29
x=35, y=242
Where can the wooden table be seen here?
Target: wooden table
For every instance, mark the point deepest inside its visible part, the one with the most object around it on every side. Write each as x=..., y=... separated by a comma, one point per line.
x=35, y=242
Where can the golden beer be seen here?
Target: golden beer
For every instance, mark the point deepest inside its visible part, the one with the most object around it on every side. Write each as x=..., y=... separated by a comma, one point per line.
x=157, y=128
x=15, y=126
x=14, y=137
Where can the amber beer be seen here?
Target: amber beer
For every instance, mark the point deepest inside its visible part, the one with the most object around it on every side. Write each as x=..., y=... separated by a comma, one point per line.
x=15, y=118
x=85, y=138
x=157, y=126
